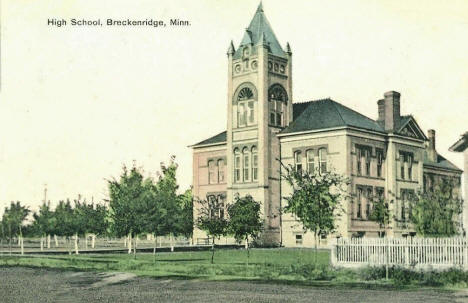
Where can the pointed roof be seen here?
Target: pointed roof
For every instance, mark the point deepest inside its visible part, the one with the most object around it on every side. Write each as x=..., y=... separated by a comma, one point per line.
x=259, y=26
x=326, y=113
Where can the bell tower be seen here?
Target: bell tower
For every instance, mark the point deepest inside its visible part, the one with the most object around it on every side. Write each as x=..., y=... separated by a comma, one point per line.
x=259, y=106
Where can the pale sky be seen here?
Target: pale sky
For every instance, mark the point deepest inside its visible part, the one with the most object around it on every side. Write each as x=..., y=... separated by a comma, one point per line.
x=78, y=102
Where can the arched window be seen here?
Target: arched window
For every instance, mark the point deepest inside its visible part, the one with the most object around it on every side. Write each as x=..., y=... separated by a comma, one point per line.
x=211, y=172
x=310, y=161
x=298, y=161
x=254, y=164
x=244, y=101
x=237, y=166
x=220, y=170
x=277, y=97
x=245, y=94
x=323, y=159
x=246, y=162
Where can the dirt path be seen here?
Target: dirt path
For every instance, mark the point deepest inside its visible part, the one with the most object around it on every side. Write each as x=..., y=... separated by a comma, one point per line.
x=45, y=285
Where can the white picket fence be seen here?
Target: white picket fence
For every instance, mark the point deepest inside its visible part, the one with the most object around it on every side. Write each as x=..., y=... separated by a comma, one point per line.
x=437, y=253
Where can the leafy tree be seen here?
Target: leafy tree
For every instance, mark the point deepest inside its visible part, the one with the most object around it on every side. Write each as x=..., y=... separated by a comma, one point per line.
x=211, y=219
x=380, y=213
x=186, y=213
x=168, y=200
x=128, y=202
x=65, y=220
x=13, y=218
x=436, y=213
x=44, y=222
x=244, y=219
x=315, y=199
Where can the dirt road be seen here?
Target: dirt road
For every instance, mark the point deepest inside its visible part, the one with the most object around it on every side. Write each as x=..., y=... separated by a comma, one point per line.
x=45, y=285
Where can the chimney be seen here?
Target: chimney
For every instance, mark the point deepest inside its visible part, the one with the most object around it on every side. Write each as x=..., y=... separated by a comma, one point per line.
x=389, y=110
x=431, y=148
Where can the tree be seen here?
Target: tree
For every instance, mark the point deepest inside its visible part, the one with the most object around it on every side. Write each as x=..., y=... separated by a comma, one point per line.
x=44, y=222
x=315, y=200
x=244, y=219
x=128, y=202
x=211, y=219
x=186, y=213
x=436, y=213
x=98, y=221
x=380, y=213
x=13, y=219
x=65, y=221
x=170, y=204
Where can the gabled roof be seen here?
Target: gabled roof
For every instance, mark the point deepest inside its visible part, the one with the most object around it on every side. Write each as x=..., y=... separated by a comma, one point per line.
x=441, y=163
x=461, y=145
x=326, y=113
x=217, y=139
x=409, y=127
x=260, y=29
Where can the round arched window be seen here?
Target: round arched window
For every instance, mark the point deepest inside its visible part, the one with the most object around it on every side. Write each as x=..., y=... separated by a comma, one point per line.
x=277, y=97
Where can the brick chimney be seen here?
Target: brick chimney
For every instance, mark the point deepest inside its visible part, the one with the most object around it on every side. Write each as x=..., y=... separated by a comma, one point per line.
x=389, y=110
x=431, y=147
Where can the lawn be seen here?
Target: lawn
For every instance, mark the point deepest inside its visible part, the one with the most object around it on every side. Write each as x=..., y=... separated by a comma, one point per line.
x=282, y=265
x=228, y=264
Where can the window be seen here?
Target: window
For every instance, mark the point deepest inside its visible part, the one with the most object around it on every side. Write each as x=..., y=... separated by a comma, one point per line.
x=216, y=205
x=246, y=106
x=277, y=98
x=363, y=152
x=359, y=162
x=251, y=112
x=407, y=158
x=380, y=193
x=211, y=172
x=298, y=239
x=368, y=202
x=359, y=202
x=406, y=201
x=242, y=114
x=245, y=94
x=220, y=170
x=237, y=166
x=402, y=165
x=379, y=153
x=410, y=166
x=246, y=162
x=298, y=161
x=254, y=164
x=368, y=160
x=310, y=160
x=323, y=160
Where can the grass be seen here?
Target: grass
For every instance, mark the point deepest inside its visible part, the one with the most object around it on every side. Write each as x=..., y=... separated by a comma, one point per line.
x=291, y=266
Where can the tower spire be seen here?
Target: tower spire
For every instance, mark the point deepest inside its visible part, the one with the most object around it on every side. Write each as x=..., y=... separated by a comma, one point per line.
x=231, y=49
x=260, y=7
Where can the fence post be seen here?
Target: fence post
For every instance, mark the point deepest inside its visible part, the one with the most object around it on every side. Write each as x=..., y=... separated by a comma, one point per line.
x=465, y=253
x=333, y=256
x=407, y=252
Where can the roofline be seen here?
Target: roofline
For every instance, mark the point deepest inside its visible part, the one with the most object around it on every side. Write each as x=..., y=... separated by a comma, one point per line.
x=332, y=128
x=443, y=168
x=456, y=147
x=407, y=138
x=207, y=145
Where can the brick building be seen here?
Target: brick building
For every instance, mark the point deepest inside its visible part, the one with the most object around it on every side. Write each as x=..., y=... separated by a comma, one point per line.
x=389, y=156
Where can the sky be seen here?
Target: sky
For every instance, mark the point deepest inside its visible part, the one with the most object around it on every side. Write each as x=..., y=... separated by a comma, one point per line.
x=76, y=103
